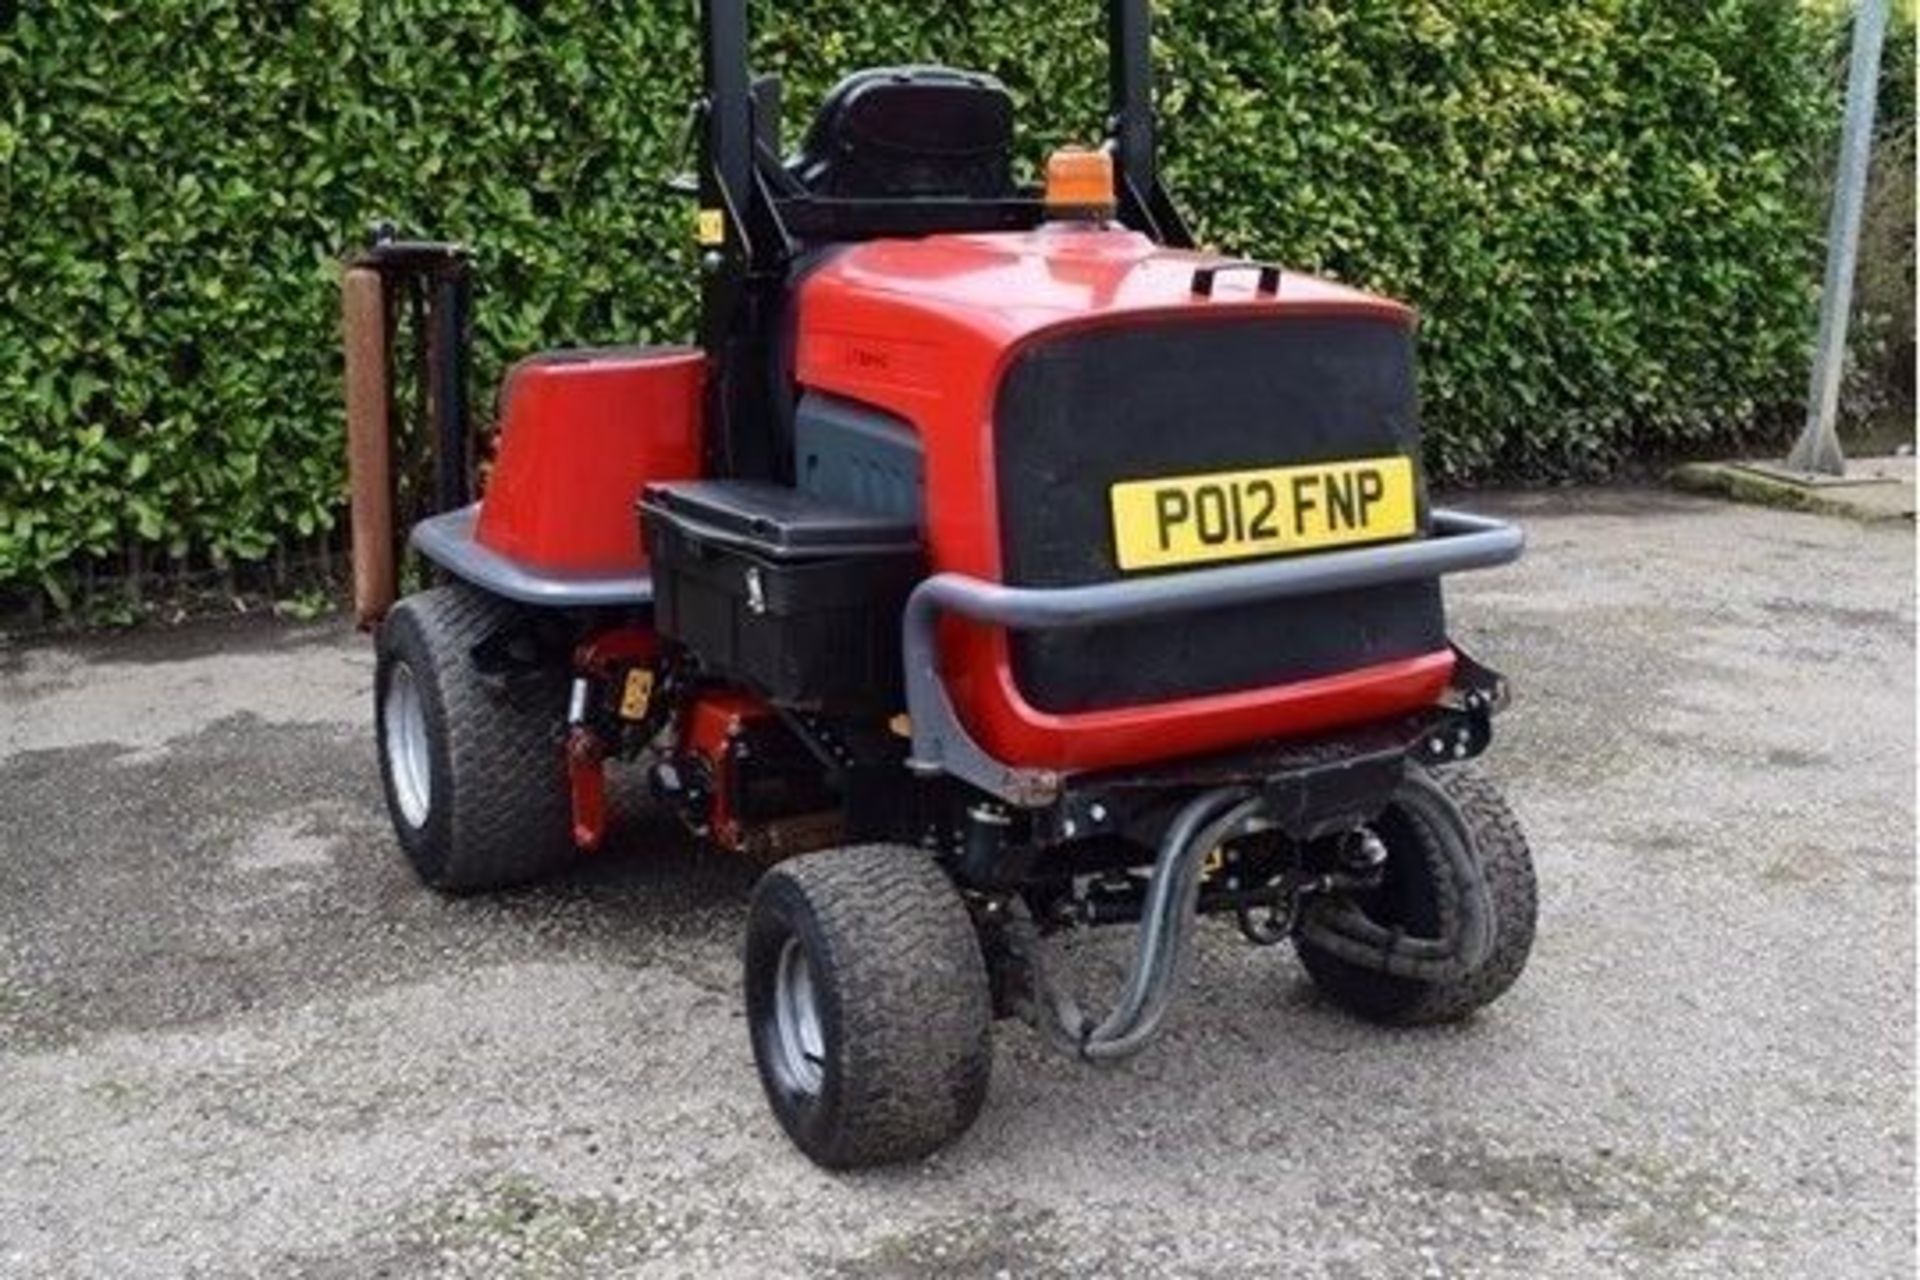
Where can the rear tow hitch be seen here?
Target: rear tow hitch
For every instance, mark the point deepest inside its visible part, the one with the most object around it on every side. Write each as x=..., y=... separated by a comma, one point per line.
x=1362, y=866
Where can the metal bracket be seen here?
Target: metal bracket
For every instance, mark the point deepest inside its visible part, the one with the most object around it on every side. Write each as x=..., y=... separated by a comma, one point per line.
x=1477, y=687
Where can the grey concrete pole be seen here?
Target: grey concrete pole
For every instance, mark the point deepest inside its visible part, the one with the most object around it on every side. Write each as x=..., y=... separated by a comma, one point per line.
x=1818, y=449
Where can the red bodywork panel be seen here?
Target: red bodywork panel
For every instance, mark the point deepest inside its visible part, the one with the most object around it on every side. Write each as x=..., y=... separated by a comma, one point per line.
x=925, y=329
x=711, y=723
x=581, y=433
x=605, y=658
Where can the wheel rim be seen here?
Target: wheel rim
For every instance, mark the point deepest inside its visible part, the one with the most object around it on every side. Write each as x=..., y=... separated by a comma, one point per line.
x=406, y=746
x=799, y=1044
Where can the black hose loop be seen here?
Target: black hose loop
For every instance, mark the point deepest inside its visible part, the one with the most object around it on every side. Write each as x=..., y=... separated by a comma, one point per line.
x=1343, y=930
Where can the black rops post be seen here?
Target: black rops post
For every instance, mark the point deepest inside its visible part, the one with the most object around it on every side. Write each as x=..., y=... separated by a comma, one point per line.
x=737, y=431
x=1133, y=129
x=752, y=216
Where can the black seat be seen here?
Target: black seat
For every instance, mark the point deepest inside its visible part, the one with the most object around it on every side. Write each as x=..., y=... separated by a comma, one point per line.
x=905, y=132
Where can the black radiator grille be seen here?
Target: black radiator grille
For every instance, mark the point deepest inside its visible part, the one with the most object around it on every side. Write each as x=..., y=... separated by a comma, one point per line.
x=1079, y=413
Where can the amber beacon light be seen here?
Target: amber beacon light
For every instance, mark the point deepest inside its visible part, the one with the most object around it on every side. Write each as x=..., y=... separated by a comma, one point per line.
x=1080, y=184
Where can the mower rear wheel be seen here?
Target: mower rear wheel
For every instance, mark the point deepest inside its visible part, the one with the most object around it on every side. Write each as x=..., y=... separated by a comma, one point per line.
x=1409, y=899
x=476, y=784
x=868, y=1004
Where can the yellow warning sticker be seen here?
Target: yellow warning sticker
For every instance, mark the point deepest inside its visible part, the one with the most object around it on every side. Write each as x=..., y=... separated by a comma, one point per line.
x=712, y=228
x=638, y=694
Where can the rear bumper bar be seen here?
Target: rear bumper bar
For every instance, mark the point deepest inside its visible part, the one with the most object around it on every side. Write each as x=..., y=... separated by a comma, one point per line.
x=941, y=744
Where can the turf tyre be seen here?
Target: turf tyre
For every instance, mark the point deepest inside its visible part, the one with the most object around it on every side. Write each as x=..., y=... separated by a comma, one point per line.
x=497, y=811
x=904, y=1042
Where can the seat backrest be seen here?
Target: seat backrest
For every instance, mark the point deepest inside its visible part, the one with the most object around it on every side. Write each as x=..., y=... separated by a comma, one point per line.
x=902, y=132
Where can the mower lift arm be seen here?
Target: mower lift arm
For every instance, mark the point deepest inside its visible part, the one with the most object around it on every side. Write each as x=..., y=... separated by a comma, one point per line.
x=941, y=744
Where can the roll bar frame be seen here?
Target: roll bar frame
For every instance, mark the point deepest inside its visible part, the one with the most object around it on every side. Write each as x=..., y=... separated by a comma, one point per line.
x=755, y=220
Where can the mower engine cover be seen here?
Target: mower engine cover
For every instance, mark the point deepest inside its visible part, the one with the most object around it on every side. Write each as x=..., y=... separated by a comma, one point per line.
x=1093, y=407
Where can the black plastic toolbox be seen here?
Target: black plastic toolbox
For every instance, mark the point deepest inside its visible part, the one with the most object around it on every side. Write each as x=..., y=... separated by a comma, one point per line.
x=794, y=596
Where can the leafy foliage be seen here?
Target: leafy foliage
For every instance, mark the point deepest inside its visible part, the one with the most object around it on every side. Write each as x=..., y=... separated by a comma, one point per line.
x=1602, y=207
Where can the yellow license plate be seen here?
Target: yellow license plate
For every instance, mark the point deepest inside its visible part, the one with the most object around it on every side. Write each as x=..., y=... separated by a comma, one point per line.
x=1235, y=515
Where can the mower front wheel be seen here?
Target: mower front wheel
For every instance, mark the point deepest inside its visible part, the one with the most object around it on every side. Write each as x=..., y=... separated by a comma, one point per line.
x=868, y=1005
x=475, y=782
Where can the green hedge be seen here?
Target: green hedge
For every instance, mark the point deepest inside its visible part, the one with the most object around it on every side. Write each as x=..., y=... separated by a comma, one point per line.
x=1602, y=207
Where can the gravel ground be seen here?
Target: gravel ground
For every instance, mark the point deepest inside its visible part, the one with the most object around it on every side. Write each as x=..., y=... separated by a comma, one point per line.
x=235, y=1039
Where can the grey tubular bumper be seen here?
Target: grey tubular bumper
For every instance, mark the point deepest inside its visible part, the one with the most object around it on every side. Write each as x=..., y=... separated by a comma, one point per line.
x=1458, y=542
x=447, y=540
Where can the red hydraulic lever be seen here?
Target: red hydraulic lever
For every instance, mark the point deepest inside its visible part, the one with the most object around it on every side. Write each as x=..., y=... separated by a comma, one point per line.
x=587, y=781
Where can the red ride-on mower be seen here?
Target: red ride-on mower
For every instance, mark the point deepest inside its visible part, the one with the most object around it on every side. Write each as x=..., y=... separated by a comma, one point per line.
x=997, y=564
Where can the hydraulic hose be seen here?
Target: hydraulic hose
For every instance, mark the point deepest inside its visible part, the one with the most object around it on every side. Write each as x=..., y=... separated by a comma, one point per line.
x=1466, y=939
x=1160, y=956
x=1335, y=925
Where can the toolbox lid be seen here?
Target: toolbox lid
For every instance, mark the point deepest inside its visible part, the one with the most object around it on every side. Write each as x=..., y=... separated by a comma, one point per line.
x=777, y=521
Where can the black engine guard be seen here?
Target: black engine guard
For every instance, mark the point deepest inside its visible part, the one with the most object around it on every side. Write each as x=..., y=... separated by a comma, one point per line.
x=1312, y=786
